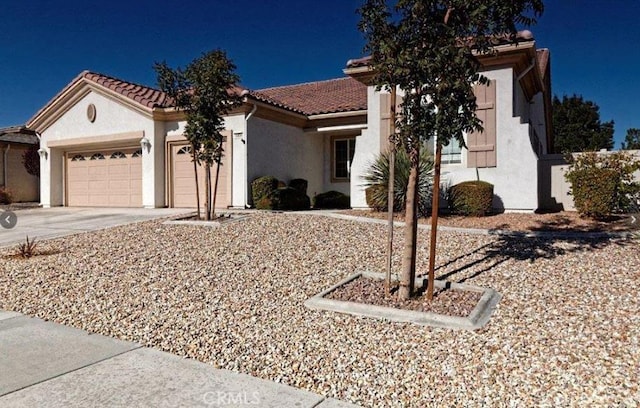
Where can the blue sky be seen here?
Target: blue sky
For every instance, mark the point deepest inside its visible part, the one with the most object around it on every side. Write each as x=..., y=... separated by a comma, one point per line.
x=44, y=44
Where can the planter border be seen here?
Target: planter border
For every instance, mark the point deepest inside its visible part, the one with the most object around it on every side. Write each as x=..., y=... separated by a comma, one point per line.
x=477, y=319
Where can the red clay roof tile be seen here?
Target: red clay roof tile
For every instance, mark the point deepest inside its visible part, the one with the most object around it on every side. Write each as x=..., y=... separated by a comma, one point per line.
x=336, y=95
x=313, y=98
x=144, y=95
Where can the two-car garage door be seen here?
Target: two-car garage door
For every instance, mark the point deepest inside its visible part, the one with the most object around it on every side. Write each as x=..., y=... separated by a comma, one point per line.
x=105, y=178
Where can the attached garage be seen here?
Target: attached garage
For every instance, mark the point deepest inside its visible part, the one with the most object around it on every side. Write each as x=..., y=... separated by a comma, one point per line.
x=182, y=179
x=104, y=178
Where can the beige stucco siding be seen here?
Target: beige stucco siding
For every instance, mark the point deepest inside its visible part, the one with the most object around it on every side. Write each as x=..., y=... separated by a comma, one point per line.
x=515, y=177
x=285, y=152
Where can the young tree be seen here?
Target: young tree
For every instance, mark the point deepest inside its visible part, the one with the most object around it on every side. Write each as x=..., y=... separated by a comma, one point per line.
x=428, y=48
x=577, y=126
x=206, y=91
x=631, y=140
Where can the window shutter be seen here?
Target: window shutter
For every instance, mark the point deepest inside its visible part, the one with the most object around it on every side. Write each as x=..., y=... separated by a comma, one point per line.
x=385, y=118
x=482, y=145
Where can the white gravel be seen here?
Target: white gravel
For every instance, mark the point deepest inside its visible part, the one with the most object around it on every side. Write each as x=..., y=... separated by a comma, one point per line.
x=566, y=332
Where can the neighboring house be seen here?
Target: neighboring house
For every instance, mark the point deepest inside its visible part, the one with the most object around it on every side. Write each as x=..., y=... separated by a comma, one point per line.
x=14, y=141
x=108, y=142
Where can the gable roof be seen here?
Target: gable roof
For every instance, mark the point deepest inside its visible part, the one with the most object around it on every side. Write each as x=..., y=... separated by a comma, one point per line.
x=314, y=98
x=18, y=134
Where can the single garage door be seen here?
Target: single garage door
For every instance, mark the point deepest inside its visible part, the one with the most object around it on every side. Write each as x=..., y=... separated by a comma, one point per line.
x=183, y=185
x=105, y=178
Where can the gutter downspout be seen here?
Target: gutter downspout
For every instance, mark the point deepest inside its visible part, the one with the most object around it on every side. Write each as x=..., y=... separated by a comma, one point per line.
x=246, y=155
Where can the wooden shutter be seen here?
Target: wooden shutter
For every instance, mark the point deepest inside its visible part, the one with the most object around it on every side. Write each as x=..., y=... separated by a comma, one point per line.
x=482, y=145
x=385, y=118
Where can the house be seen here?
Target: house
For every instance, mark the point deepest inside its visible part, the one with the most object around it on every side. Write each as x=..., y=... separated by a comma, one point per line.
x=108, y=142
x=14, y=142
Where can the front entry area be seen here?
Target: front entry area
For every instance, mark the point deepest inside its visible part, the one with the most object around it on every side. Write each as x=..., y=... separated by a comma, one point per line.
x=104, y=178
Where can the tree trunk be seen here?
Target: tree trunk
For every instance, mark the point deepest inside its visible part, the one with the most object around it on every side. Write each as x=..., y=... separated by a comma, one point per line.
x=207, y=195
x=195, y=171
x=411, y=227
x=391, y=187
x=215, y=192
x=435, y=203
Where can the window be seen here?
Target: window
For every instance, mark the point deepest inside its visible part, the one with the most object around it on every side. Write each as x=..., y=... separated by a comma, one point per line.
x=343, y=151
x=185, y=150
x=452, y=152
x=118, y=155
x=97, y=156
x=78, y=157
x=137, y=153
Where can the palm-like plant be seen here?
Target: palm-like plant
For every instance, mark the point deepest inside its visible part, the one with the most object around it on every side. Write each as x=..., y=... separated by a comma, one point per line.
x=376, y=179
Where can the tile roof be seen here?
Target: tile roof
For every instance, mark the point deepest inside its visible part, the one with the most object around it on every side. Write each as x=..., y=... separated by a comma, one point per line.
x=522, y=36
x=18, y=134
x=313, y=98
x=144, y=95
x=336, y=95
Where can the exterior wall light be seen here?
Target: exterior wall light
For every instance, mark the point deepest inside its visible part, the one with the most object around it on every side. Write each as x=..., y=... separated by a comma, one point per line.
x=145, y=144
x=43, y=153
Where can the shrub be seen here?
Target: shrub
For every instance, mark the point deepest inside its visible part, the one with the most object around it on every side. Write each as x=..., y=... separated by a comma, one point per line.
x=299, y=184
x=602, y=184
x=472, y=198
x=332, y=199
x=262, y=187
x=5, y=196
x=286, y=199
x=378, y=177
x=31, y=160
x=27, y=249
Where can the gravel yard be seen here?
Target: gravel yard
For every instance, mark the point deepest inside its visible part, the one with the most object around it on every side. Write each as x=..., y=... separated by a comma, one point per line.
x=566, y=332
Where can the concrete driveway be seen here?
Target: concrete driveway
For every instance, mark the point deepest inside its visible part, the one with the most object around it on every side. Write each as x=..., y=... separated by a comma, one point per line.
x=44, y=223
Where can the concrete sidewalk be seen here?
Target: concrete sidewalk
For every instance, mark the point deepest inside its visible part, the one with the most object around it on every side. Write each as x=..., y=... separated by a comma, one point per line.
x=44, y=364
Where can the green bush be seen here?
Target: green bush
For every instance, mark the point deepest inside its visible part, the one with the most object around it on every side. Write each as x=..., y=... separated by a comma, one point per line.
x=332, y=199
x=299, y=184
x=472, y=198
x=286, y=199
x=262, y=187
x=5, y=196
x=602, y=184
x=378, y=177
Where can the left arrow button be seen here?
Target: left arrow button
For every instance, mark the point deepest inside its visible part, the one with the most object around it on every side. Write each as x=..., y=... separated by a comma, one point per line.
x=8, y=219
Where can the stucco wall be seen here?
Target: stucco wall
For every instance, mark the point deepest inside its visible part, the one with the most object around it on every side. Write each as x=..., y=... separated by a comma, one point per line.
x=22, y=185
x=285, y=152
x=516, y=176
x=112, y=118
x=367, y=148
